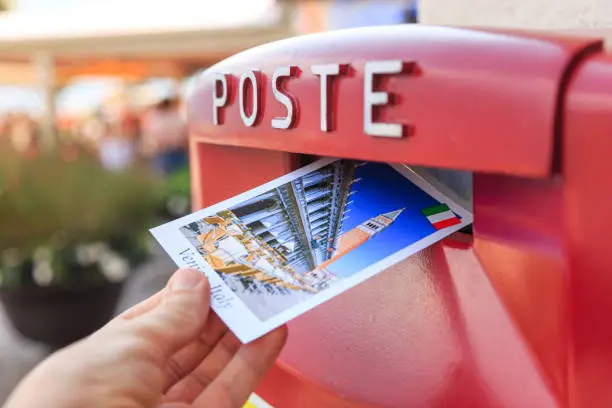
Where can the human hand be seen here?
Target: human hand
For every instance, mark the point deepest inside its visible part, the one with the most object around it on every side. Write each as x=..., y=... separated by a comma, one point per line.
x=170, y=351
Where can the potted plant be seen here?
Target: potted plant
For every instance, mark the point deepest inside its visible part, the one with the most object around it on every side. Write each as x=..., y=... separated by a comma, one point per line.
x=70, y=234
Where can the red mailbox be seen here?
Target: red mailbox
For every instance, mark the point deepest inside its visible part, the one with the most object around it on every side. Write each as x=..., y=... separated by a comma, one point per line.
x=516, y=315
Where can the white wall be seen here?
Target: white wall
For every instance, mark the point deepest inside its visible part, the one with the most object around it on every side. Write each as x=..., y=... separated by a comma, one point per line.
x=549, y=14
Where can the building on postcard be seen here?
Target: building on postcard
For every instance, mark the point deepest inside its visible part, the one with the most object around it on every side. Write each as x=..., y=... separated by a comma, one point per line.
x=276, y=238
x=283, y=240
x=302, y=219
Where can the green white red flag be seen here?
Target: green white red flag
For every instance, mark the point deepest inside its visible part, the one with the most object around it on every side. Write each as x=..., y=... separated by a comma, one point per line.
x=441, y=216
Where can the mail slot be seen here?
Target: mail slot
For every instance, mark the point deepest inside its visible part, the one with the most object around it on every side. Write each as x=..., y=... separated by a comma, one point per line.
x=515, y=313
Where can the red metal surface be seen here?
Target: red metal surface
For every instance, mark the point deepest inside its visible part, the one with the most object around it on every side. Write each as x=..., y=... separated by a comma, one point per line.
x=224, y=170
x=587, y=144
x=517, y=317
x=472, y=92
x=429, y=332
x=426, y=333
x=519, y=242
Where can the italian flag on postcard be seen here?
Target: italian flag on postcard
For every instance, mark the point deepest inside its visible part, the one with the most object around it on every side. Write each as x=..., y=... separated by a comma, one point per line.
x=440, y=216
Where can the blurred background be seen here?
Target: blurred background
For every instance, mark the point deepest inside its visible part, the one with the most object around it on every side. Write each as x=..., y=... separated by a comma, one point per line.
x=93, y=146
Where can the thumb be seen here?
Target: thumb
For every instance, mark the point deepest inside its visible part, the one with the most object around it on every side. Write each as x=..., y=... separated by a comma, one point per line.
x=178, y=317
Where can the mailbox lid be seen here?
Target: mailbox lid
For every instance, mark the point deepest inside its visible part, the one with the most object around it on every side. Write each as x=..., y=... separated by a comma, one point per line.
x=478, y=100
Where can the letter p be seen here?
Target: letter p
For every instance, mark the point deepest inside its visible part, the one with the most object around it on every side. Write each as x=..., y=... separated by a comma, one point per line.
x=220, y=95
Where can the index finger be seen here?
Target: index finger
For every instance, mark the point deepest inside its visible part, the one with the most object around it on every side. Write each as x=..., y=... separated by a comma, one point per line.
x=240, y=377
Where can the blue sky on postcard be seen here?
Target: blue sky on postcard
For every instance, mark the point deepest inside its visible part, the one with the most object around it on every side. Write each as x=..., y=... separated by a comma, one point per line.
x=382, y=189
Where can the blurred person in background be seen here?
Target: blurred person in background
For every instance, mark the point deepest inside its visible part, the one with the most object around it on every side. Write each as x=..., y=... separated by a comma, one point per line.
x=164, y=136
x=23, y=134
x=4, y=131
x=92, y=129
x=130, y=124
x=3, y=125
x=116, y=147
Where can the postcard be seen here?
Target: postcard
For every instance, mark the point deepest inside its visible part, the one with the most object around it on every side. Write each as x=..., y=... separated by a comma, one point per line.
x=283, y=248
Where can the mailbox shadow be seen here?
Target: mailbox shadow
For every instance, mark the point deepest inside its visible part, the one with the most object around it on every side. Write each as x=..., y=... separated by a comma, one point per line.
x=464, y=385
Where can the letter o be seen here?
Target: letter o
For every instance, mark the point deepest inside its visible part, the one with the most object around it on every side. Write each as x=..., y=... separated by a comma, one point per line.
x=252, y=77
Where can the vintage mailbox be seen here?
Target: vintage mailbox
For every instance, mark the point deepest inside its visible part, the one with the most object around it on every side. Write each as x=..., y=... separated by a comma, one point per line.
x=516, y=314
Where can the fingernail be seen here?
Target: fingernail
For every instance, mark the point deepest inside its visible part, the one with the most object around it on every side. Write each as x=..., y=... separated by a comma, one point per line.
x=186, y=279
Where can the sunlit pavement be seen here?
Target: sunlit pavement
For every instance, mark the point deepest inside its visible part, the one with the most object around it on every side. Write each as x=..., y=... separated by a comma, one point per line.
x=19, y=355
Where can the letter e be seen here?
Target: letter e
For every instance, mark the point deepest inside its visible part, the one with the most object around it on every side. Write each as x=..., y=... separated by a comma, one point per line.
x=379, y=98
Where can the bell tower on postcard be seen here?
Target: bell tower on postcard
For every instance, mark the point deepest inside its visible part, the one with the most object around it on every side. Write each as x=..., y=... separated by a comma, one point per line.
x=354, y=238
x=363, y=232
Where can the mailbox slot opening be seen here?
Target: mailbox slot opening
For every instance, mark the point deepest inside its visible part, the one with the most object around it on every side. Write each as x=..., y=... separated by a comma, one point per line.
x=456, y=184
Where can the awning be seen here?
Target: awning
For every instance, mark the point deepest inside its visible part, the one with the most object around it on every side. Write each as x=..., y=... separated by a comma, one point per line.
x=128, y=41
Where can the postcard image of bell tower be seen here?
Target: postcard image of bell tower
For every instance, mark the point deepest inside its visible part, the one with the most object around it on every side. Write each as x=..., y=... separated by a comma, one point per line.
x=353, y=239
